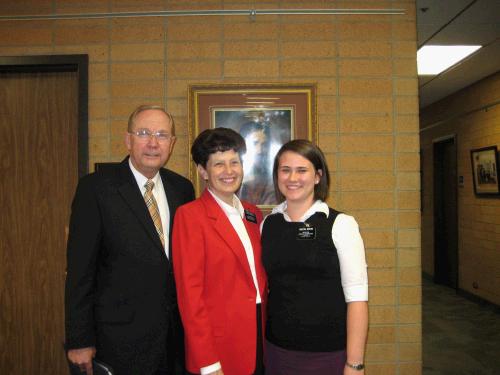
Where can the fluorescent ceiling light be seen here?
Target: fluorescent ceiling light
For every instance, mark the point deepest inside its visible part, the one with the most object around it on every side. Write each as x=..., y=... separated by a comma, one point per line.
x=433, y=60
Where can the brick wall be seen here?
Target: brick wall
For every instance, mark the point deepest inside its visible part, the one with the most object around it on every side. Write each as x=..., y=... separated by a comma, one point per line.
x=365, y=69
x=478, y=217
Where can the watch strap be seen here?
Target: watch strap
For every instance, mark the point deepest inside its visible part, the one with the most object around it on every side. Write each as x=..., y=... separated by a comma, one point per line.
x=355, y=366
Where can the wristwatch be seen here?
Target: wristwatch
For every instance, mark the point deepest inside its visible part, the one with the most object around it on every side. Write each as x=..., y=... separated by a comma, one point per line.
x=355, y=366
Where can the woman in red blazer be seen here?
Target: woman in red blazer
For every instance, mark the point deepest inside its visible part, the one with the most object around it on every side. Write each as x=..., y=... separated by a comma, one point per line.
x=220, y=280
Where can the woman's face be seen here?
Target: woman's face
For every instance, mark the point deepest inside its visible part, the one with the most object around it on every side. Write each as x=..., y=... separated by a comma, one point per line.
x=223, y=174
x=297, y=178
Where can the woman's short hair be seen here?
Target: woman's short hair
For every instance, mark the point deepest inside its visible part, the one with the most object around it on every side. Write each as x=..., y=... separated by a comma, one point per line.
x=214, y=140
x=312, y=153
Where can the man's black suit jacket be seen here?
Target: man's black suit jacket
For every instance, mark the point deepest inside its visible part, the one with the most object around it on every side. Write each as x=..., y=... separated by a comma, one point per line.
x=120, y=293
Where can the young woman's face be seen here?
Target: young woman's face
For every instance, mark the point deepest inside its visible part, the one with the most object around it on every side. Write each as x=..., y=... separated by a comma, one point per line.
x=297, y=178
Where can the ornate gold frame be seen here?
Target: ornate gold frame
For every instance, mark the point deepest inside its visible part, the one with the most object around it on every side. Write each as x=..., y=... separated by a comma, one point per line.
x=204, y=99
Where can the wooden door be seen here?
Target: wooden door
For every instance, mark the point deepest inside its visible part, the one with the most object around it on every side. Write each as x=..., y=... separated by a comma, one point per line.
x=445, y=213
x=39, y=169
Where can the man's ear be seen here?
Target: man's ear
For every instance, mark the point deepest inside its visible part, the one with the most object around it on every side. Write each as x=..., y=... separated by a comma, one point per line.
x=172, y=143
x=127, y=141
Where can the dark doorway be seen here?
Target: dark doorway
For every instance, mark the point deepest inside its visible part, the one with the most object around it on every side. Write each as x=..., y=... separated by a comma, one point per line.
x=445, y=213
x=43, y=112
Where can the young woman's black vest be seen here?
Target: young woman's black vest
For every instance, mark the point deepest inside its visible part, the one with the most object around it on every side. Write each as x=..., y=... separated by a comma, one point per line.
x=306, y=307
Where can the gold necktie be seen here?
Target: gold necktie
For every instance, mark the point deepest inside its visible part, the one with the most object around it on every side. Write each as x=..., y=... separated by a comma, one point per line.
x=153, y=209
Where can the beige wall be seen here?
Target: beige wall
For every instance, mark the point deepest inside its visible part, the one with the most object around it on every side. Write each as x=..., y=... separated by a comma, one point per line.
x=365, y=69
x=474, y=118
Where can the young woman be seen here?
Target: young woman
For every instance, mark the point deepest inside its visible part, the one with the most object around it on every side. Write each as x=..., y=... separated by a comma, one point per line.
x=317, y=316
x=220, y=280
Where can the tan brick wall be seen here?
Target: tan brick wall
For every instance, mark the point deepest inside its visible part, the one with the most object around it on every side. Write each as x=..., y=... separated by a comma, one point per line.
x=365, y=70
x=478, y=217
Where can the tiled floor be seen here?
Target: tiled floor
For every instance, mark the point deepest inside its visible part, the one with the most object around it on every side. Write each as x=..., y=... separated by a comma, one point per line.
x=460, y=337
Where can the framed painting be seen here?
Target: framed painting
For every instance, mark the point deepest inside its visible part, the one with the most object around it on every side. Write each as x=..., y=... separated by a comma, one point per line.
x=266, y=115
x=485, y=170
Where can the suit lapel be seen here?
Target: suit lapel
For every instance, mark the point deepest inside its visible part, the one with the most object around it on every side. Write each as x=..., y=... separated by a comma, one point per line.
x=132, y=196
x=173, y=200
x=173, y=195
x=222, y=226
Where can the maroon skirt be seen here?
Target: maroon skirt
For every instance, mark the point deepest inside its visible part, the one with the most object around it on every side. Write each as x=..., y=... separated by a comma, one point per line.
x=279, y=361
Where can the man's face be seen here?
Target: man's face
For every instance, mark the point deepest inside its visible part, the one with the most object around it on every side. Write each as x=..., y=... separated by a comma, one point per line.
x=148, y=154
x=256, y=142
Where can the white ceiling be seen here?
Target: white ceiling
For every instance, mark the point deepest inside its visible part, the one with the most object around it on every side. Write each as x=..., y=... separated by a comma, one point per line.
x=449, y=22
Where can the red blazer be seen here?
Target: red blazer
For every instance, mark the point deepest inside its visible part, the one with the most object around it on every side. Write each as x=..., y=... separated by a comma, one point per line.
x=215, y=289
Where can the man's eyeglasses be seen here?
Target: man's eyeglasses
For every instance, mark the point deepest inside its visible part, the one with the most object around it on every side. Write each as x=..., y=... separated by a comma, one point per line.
x=146, y=134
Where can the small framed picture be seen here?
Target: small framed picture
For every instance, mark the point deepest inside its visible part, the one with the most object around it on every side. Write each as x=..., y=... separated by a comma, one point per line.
x=485, y=170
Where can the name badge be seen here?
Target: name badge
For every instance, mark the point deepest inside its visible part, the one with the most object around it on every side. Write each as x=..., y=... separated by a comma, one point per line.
x=250, y=216
x=306, y=233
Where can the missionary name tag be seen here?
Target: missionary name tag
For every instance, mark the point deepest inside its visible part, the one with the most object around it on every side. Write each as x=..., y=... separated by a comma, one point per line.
x=251, y=217
x=306, y=233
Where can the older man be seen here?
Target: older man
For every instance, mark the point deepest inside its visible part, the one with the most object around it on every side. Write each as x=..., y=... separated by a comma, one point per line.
x=120, y=294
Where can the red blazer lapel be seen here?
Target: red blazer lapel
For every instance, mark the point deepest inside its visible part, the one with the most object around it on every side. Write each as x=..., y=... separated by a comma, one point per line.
x=222, y=226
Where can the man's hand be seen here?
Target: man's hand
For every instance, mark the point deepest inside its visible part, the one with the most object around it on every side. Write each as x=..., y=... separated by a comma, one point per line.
x=218, y=372
x=82, y=358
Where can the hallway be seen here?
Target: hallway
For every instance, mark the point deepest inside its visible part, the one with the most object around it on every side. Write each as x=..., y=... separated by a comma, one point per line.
x=460, y=337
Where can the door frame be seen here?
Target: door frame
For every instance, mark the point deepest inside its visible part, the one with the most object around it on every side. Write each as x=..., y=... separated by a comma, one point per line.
x=60, y=63
x=435, y=143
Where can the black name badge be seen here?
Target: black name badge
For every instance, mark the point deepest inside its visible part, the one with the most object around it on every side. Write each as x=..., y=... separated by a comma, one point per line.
x=306, y=233
x=250, y=216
